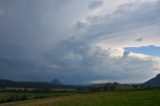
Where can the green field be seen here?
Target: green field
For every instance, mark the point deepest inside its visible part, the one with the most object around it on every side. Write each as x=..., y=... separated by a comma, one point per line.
x=20, y=96
x=115, y=98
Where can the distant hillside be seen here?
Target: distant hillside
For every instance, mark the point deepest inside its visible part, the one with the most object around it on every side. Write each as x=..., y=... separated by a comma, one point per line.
x=154, y=82
x=5, y=82
x=25, y=84
x=9, y=83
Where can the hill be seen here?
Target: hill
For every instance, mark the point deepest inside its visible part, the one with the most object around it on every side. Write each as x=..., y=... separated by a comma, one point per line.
x=56, y=82
x=27, y=84
x=154, y=82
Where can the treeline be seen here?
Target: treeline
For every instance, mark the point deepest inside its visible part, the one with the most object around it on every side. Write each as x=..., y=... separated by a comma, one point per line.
x=37, y=90
x=98, y=88
x=80, y=89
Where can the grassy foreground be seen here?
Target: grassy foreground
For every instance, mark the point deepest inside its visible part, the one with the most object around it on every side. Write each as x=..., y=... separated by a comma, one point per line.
x=21, y=96
x=115, y=98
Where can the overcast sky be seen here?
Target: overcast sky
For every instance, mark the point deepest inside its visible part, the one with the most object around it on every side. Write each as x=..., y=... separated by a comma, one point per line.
x=80, y=41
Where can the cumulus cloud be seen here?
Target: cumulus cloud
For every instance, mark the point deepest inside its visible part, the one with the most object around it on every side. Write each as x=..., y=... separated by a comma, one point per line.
x=98, y=64
x=95, y=4
x=125, y=24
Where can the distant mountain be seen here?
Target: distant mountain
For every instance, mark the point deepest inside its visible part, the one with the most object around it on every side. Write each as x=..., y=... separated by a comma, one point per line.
x=5, y=82
x=27, y=84
x=154, y=82
x=24, y=84
x=56, y=82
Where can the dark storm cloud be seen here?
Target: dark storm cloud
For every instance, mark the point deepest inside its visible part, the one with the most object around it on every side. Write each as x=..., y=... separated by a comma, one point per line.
x=35, y=45
x=20, y=69
x=35, y=26
x=29, y=28
x=139, y=39
x=125, y=54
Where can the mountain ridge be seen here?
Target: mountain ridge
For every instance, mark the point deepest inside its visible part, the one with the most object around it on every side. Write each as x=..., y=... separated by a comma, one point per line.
x=154, y=82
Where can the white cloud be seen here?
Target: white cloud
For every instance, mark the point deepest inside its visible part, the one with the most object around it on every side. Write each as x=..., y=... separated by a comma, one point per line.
x=114, y=30
x=120, y=28
x=133, y=68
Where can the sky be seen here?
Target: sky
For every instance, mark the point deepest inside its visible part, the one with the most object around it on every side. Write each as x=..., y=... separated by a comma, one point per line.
x=80, y=41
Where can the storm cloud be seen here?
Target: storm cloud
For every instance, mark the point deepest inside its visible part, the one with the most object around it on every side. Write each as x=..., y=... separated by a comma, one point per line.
x=78, y=41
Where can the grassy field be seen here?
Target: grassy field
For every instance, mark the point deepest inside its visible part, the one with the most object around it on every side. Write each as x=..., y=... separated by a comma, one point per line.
x=18, y=96
x=115, y=98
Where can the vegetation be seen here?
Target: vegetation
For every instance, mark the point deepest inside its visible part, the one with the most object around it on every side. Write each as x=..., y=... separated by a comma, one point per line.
x=109, y=98
x=21, y=96
x=109, y=94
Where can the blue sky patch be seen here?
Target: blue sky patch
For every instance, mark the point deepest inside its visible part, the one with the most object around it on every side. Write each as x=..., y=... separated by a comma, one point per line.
x=148, y=50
